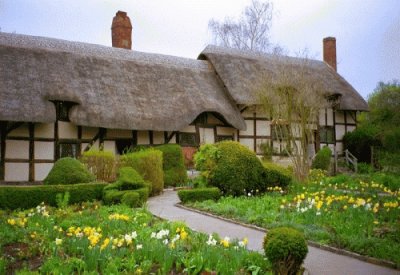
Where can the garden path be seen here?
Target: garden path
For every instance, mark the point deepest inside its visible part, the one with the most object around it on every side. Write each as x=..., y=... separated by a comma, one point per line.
x=318, y=261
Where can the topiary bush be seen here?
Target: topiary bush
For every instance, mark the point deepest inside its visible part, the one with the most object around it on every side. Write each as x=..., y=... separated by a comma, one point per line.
x=322, y=159
x=200, y=194
x=237, y=170
x=102, y=164
x=173, y=165
x=149, y=164
x=129, y=182
x=286, y=248
x=68, y=171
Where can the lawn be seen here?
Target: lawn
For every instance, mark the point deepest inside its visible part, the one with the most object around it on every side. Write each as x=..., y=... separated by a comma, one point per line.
x=360, y=215
x=91, y=238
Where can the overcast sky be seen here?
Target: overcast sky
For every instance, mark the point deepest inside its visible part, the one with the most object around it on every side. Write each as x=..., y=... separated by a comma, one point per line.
x=367, y=31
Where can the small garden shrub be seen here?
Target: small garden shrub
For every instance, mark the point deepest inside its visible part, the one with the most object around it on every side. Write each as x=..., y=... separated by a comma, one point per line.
x=25, y=197
x=200, y=194
x=206, y=159
x=322, y=159
x=359, y=143
x=234, y=169
x=173, y=165
x=68, y=171
x=130, y=189
x=364, y=168
x=149, y=164
x=102, y=164
x=286, y=248
x=277, y=175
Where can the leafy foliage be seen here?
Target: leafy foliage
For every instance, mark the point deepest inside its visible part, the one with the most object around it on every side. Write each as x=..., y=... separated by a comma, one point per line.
x=173, y=164
x=68, y=171
x=200, y=194
x=322, y=159
x=286, y=248
x=359, y=143
x=149, y=164
x=102, y=164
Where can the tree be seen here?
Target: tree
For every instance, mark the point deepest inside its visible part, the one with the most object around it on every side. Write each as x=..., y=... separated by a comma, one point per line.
x=249, y=32
x=293, y=102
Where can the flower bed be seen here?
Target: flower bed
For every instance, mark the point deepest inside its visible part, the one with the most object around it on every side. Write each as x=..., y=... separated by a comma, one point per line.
x=115, y=239
x=362, y=217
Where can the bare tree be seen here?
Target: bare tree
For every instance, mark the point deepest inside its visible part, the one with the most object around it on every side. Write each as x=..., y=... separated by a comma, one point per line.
x=293, y=99
x=249, y=32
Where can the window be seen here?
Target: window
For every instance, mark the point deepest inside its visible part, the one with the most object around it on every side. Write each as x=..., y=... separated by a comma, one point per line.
x=188, y=139
x=279, y=132
x=327, y=134
x=68, y=150
x=123, y=145
x=62, y=109
x=226, y=137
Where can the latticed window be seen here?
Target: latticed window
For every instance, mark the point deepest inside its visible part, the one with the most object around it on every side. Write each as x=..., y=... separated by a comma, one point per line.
x=225, y=137
x=327, y=134
x=62, y=109
x=188, y=139
x=68, y=150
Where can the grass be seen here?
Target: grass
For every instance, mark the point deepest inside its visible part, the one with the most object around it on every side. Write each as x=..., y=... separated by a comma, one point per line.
x=362, y=216
x=91, y=238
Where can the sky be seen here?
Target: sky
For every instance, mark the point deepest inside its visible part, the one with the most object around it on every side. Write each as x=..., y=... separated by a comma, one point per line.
x=367, y=31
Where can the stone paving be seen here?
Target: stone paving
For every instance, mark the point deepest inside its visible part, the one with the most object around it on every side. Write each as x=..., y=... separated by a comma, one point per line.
x=318, y=261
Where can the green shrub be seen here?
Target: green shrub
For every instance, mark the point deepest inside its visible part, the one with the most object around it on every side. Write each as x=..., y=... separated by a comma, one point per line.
x=359, y=143
x=206, y=157
x=25, y=197
x=173, y=165
x=364, y=168
x=322, y=159
x=389, y=180
x=102, y=164
x=286, y=248
x=68, y=171
x=148, y=163
x=277, y=175
x=237, y=170
x=201, y=194
x=131, y=199
x=128, y=181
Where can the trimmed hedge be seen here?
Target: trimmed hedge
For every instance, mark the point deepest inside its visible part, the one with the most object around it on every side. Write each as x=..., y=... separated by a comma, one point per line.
x=102, y=164
x=322, y=159
x=277, y=175
x=149, y=164
x=200, y=194
x=130, y=189
x=286, y=248
x=24, y=197
x=68, y=171
x=173, y=165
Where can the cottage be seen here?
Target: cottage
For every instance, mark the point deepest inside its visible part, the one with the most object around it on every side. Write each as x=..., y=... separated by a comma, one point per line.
x=59, y=98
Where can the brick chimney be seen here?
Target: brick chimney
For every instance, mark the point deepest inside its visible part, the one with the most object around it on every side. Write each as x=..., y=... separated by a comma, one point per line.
x=330, y=52
x=121, y=31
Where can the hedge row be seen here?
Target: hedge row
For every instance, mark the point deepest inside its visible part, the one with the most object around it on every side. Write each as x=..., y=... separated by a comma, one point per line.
x=173, y=165
x=25, y=197
x=200, y=194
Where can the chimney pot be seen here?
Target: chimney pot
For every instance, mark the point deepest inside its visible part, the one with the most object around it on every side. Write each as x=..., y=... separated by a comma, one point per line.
x=121, y=31
x=329, y=49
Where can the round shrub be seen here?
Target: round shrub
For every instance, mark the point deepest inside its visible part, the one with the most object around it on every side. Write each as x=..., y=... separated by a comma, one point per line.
x=322, y=159
x=68, y=171
x=237, y=170
x=131, y=199
x=173, y=164
x=286, y=248
x=129, y=179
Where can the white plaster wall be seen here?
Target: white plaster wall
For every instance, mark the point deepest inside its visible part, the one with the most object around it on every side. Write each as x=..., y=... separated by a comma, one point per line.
x=322, y=117
x=350, y=117
x=42, y=170
x=44, y=130
x=339, y=117
x=340, y=131
x=67, y=130
x=188, y=129
x=207, y=136
x=263, y=128
x=16, y=171
x=173, y=139
x=83, y=146
x=44, y=150
x=17, y=149
x=89, y=132
x=117, y=133
x=21, y=131
x=143, y=137
x=249, y=142
x=249, y=128
x=109, y=145
x=225, y=131
x=330, y=117
x=339, y=147
x=158, y=137
x=351, y=128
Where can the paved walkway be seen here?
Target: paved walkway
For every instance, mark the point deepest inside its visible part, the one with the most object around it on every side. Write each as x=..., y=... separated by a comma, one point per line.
x=318, y=261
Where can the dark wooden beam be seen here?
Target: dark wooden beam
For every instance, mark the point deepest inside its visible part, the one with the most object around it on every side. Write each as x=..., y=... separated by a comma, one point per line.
x=151, y=137
x=3, y=135
x=31, y=151
x=171, y=136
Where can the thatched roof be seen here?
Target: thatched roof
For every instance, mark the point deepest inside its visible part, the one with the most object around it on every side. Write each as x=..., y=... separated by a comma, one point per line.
x=113, y=88
x=244, y=72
